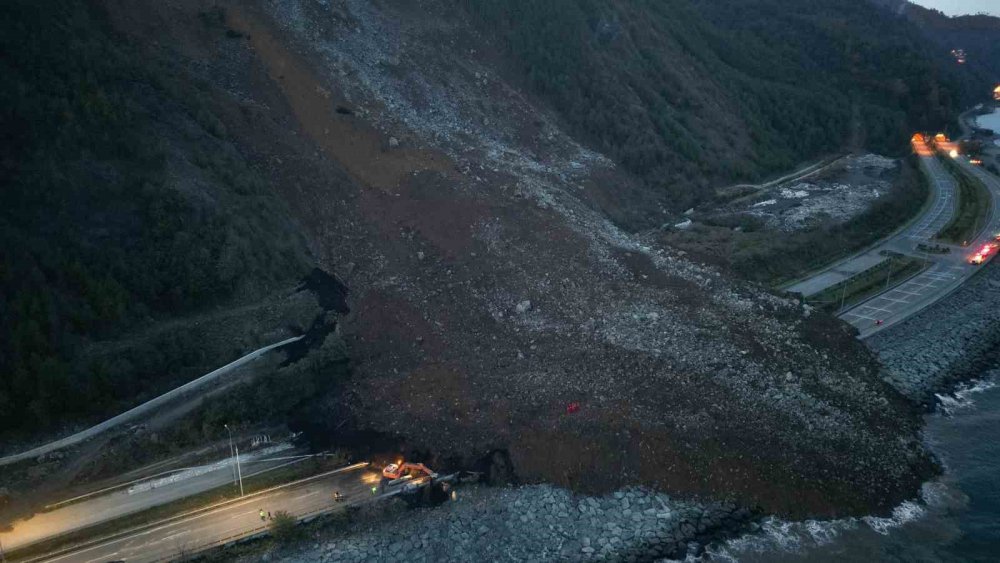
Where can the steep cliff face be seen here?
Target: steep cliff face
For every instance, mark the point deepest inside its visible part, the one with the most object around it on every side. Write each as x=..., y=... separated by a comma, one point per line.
x=498, y=271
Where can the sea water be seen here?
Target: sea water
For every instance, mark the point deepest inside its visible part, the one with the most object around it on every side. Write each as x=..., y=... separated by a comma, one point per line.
x=990, y=121
x=956, y=518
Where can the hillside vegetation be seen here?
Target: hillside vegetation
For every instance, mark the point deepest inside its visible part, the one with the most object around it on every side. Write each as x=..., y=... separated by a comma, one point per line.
x=99, y=235
x=687, y=94
x=977, y=35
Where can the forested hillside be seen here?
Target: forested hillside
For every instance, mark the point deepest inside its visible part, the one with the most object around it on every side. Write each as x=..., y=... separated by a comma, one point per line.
x=99, y=234
x=687, y=94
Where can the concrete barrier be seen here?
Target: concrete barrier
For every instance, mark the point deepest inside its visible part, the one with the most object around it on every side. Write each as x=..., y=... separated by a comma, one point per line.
x=144, y=408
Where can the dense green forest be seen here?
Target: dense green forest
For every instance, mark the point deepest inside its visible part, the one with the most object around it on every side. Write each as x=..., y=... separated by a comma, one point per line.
x=977, y=35
x=690, y=94
x=99, y=236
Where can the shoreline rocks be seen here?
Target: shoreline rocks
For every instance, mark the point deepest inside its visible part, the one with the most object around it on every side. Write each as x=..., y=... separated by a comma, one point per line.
x=533, y=523
x=949, y=342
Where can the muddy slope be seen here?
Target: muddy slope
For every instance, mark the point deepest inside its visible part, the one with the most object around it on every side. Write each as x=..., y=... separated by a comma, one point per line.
x=493, y=281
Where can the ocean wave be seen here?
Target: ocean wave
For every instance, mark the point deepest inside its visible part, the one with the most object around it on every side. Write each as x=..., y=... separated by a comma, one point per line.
x=776, y=535
x=902, y=514
x=962, y=397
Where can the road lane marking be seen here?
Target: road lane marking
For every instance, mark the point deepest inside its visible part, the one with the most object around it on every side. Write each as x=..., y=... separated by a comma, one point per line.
x=225, y=506
x=306, y=495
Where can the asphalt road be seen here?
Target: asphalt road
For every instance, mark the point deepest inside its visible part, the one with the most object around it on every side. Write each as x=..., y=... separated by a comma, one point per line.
x=936, y=216
x=944, y=272
x=948, y=272
x=138, y=497
x=238, y=519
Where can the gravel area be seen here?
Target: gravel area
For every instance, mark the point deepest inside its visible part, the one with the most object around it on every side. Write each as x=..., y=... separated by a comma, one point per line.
x=840, y=193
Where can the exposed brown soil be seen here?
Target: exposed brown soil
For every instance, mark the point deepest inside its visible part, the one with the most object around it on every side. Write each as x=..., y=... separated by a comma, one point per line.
x=687, y=381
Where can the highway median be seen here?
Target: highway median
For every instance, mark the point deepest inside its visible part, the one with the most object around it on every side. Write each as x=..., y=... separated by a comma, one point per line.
x=895, y=269
x=972, y=210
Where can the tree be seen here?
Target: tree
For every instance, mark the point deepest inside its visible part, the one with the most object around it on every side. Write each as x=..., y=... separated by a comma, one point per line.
x=284, y=527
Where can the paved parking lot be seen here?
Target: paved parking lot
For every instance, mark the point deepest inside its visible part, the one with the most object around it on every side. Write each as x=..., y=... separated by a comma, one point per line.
x=907, y=298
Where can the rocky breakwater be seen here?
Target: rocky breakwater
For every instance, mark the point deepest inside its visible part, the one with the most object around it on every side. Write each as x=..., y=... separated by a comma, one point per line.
x=948, y=342
x=531, y=523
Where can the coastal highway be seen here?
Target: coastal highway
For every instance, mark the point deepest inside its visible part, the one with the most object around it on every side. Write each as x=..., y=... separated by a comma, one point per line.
x=933, y=219
x=947, y=273
x=183, y=535
x=141, y=495
x=943, y=272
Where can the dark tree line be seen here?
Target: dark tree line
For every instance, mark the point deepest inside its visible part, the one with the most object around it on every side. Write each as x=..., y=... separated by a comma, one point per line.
x=95, y=239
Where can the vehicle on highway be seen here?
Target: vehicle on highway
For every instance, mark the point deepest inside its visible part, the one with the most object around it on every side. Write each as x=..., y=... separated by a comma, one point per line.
x=984, y=252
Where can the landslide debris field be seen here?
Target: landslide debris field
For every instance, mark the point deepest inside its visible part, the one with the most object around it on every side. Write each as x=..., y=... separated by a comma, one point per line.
x=837, y=194
x=491, y=286
x=497, y=224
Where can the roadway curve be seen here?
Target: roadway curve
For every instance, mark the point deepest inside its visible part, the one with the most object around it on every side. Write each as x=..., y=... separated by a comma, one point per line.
x=945, y=272
x=143, y=409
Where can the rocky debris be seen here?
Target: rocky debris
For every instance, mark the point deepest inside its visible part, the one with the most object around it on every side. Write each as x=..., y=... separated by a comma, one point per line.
x=841, y=192
x=678, y=370
x=535, y=523
x=665, y=356
x=948, y=342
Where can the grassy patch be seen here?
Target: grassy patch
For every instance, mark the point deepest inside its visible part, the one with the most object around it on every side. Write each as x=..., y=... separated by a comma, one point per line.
x=866, y=284
x=973, y=206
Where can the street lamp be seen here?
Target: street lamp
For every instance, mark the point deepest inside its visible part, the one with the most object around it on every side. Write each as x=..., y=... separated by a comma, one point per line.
x=231, y=452
x=236, y=449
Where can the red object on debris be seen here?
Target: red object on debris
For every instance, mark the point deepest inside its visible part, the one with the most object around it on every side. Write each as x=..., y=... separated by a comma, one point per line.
x=572, y=407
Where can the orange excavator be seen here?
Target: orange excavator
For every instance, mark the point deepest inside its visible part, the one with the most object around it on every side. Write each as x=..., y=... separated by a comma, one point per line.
x=406, y=470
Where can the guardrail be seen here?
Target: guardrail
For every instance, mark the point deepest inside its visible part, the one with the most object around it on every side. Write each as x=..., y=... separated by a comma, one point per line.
x=143, y=408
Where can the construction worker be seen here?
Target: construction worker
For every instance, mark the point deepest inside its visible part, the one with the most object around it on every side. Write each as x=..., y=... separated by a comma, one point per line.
x=262, y=517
